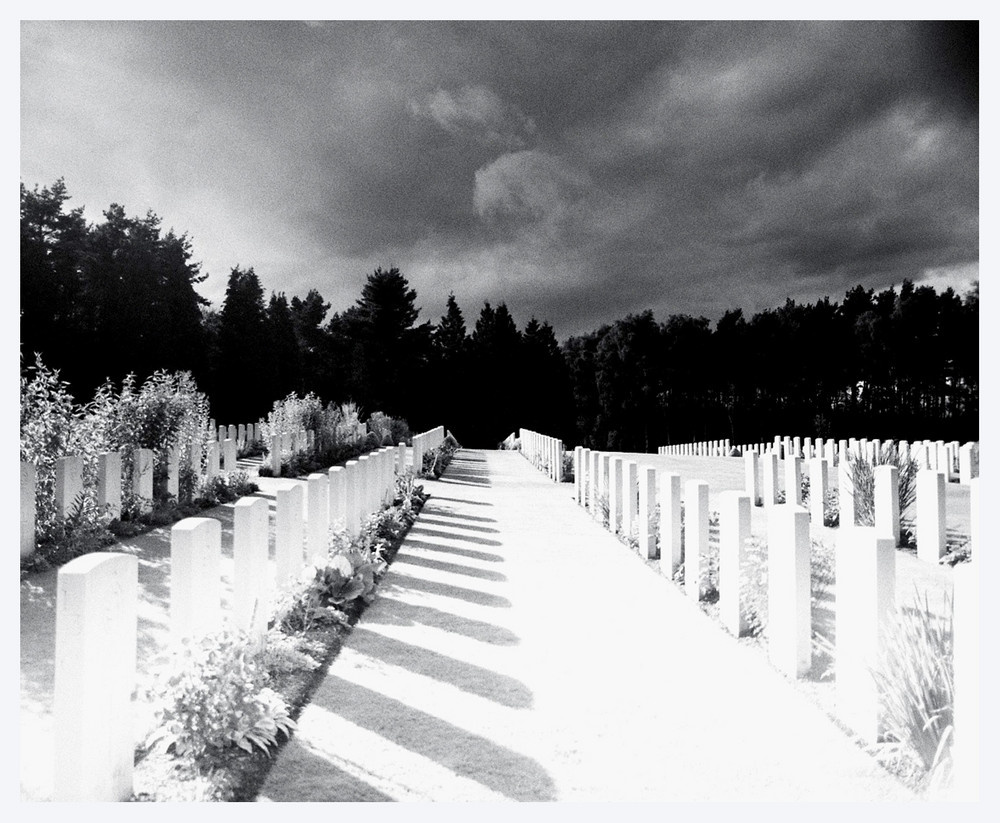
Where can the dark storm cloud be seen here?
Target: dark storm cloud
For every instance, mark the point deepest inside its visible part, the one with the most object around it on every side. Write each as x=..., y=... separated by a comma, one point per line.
x=578, y=171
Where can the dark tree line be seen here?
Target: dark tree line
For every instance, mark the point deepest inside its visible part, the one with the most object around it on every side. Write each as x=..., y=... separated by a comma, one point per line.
x=900, y=364
x=118, y=297
x=106, y=300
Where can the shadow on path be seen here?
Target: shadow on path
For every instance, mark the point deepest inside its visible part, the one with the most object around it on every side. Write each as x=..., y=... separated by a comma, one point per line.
x=402, y=581
x=421, y=531
x=491, y=685
x=395, y=612
x=437, y=497
x=454, y=568
x=451, y=515
x=472, y=554
x=478, y=758
x=433, y=520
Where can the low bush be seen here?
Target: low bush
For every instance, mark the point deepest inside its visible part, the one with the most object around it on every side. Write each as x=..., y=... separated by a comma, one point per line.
x=568, y=475
x=437, y=459
x=166, y=410
x=224, y=698
x=213, y=696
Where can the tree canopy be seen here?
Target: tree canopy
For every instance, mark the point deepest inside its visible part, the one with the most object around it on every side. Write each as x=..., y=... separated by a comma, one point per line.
x=119, y=297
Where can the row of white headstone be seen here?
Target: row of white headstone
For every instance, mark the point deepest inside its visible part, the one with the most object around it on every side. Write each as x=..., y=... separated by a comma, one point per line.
x=424, y=443
x=543, y=452
x=208, y=459
x=865, y=587
x=954, y=460
x=243, y=433
x=931, y=534
x=97, y=595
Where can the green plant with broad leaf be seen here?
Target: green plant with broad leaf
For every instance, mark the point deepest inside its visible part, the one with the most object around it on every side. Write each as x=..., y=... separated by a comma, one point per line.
x=214, y=696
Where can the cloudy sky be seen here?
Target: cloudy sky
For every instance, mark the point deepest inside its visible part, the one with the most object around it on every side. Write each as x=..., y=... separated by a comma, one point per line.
x=577, y=171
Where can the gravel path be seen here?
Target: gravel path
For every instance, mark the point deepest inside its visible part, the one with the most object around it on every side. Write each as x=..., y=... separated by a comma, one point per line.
x=517, y=651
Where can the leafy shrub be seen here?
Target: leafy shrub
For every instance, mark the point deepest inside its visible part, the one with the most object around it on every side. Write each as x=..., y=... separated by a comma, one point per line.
x=389, y=430
x=345, y=576
x=49, y=420
x=214, y=697
x=225, y=488
x=567, y=468
x=166, y=410
x=251, y=448
x=437, y=459
x=305, y=610
x=831, y=512
x=284, y=652
x=916, y=684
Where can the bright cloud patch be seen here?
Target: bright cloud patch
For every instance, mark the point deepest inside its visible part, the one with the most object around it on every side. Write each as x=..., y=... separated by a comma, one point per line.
x=528, y=186
x=477, y=113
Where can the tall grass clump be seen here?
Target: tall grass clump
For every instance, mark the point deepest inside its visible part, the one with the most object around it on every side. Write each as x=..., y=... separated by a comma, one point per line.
x=916, y=685
x=862, y=477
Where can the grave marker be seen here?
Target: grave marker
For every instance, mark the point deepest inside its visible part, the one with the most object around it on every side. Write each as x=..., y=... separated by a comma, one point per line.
x=289, y=526
x=251, y=592
x=695, y=535
x=109, y=483
x=866, y=582
x=195, y=577
x=734, y=531
x=789, y=621
x=95, y=674
x=931, y=535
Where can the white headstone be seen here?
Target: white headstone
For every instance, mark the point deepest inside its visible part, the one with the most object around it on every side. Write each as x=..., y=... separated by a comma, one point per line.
x=887, y=503
x=630, y=511
x=931, y=535
x=195, y=577
x=770, y=467
x=336, y=477
x=289, y=543
x=251, y=589
x=751, y=479
x=212, y=461
x=142, y=477
x=818, y=485
x=317, y=516
x=28, y=474
x=866, y=583
x=229, y=455
x=734, y=531
x=695, y=535
x=109, y=483
x=95, y=675
x=616, y=498
x=793, y=481
x=671, y=545
x=69, y=483
x=174, y=471
x=647, y=503
x=789, y=612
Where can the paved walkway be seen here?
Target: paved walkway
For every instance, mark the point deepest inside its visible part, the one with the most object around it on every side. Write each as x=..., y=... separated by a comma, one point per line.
x=517, y=651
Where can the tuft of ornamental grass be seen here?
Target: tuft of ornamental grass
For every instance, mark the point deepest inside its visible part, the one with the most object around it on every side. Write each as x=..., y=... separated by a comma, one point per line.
x=862, y=477
x=916, y=684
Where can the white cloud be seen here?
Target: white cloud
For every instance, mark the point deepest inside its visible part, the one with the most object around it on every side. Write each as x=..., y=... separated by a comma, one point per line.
x=477, y=113
x=960, y=278
x=530, y=186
